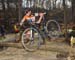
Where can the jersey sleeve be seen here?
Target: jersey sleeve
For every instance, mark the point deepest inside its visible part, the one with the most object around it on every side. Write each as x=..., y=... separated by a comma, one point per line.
x=24, y=18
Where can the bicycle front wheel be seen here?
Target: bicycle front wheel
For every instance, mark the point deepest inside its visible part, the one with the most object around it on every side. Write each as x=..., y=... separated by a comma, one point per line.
x=31, y=39
x=53, y=28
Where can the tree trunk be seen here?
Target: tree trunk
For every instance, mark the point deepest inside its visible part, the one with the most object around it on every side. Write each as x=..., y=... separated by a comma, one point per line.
x=19, y=9
x=8, y=4
x=73, y=10
x=65, y=19
x=54, y=5
x=8, y=44
x=3, y=6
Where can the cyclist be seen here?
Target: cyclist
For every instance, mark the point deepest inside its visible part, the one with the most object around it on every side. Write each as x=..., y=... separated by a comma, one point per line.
x=31, y=18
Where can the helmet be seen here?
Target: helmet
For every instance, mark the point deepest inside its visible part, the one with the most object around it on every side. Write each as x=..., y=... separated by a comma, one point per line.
x=27, y=10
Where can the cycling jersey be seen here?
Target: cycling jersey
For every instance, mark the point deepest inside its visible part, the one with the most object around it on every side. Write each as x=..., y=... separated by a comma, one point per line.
x=29, y=18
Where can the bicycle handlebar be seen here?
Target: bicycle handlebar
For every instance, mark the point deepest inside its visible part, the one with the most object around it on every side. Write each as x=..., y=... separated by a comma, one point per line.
x=36, y=14
x=44, y=13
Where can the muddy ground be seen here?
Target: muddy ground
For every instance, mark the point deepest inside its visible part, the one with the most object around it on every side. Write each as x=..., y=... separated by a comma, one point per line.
x=44, y=53
x=50, y=51
x=21, y=54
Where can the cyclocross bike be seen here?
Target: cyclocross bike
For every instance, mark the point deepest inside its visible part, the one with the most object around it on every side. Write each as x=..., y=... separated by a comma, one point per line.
x=33, y=36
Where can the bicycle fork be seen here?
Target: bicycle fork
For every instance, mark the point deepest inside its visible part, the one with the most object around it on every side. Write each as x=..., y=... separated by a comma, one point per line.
x=31, y=34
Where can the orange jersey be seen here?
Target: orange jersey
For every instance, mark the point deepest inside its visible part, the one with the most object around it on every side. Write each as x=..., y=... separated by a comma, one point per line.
x=27, y=17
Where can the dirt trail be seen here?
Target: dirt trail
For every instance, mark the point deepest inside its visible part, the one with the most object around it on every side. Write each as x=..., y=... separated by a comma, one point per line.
x=21, y=54
x=53, y=49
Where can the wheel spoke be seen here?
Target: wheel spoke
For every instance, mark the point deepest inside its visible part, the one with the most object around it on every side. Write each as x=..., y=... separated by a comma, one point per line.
x=53, y=28
x=33, y=39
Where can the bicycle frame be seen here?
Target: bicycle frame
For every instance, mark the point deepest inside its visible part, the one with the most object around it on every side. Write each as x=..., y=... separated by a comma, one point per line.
x=46, y=33
x=41, y=33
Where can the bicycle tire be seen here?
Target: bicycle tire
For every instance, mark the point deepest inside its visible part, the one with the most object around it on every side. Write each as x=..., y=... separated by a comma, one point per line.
x=53, y=28
x=36, y=40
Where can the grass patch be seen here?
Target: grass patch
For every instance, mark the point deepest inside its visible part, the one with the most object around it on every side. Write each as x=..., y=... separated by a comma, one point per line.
x=1, y=38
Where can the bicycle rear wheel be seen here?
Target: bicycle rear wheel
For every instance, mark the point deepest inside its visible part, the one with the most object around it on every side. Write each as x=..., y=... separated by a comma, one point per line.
x=53, y=29
x=31, y=39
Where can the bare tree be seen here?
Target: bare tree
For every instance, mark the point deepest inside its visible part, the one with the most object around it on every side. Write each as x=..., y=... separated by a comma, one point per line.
x=19, y=9
x=73, y=10
x=65, y=19
x=3, y=8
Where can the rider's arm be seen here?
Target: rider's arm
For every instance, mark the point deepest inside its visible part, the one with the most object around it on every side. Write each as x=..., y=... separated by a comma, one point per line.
x=40, y=18
x=22, y=21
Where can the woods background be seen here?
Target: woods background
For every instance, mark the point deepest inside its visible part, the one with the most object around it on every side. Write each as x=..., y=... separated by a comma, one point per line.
x=12, y=11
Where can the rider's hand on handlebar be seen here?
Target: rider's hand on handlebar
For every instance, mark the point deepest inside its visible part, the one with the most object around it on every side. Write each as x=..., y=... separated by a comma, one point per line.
x=20, y=24
x=42, y=14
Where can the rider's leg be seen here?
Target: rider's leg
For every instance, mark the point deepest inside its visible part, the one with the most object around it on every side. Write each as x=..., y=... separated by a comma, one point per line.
x=40, y=34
